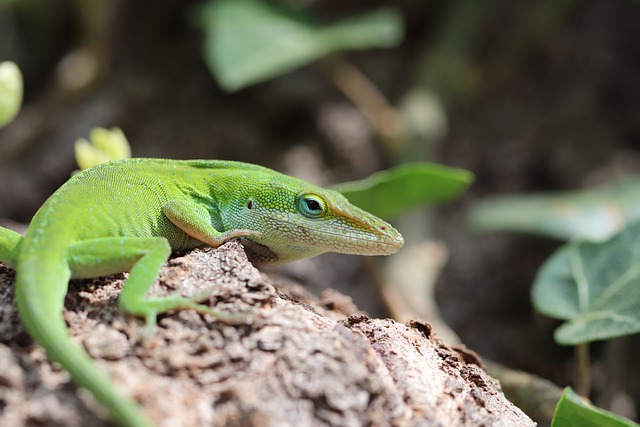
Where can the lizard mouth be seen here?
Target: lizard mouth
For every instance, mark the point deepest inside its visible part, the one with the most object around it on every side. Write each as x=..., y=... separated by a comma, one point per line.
x=359, y=245
x=258, y=253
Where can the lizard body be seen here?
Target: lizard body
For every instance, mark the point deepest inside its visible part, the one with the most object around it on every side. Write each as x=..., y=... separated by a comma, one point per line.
x=128, y=215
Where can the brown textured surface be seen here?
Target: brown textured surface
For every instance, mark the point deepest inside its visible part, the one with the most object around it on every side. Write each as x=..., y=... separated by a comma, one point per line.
x=292, y=360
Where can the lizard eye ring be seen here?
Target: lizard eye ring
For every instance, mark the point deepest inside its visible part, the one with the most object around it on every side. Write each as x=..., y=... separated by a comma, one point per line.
x=312, y=206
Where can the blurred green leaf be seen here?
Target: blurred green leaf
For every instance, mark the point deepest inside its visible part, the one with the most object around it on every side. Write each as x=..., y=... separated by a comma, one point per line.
x=593, y=214
x=104, y=145
x=6, y=3
x=594, y=286
x=572, y=411
x=249, y=41
x=10, y=91
x=394, y=191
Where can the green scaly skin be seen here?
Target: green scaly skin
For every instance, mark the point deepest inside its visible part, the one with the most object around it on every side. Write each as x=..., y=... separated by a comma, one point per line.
x=128, y=215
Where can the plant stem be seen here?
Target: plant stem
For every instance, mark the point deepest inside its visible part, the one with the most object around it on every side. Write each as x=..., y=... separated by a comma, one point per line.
x=583, y=371
x=374, y=106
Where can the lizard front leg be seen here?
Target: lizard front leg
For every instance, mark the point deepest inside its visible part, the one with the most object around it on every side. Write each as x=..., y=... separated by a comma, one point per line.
x=195, y=222
x=142, y=257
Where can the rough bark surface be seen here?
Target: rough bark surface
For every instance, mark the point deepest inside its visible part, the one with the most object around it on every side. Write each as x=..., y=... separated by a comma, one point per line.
x=291, y=359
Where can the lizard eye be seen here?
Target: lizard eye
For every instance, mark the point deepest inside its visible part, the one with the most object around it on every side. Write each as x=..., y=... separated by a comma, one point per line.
x=311, y=206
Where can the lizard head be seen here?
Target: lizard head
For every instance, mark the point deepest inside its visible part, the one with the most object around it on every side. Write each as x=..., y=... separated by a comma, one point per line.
x=299, y=220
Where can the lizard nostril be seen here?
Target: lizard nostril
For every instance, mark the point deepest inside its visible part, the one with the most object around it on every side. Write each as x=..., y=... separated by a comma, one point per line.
x=383, y=228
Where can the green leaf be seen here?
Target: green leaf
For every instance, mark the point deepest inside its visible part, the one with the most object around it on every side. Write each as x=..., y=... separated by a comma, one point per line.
x=249, y=41
x=104, y=145
x=388, y=193
x=594, y=286
x=593, y=214
x=10, y=91
x=572, y=411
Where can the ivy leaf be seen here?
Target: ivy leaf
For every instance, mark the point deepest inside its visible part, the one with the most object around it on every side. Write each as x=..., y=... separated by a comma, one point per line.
x=595, y=287
x=572, y=411
x=249, y=41
x=394, y=191
x=592, y=214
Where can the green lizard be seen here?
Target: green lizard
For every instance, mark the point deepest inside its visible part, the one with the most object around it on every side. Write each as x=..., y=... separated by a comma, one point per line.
x=128, y=215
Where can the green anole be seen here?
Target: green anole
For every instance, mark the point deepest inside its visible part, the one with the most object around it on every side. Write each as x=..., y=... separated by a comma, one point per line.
x=128, y=215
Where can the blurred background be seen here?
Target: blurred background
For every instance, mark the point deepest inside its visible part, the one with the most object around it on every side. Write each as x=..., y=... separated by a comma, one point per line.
x=528, y=95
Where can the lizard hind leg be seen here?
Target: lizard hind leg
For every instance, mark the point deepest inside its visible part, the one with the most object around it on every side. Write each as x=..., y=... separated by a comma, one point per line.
x=143, y=257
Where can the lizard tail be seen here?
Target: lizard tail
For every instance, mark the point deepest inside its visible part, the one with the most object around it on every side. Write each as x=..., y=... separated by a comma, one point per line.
x=40, y=291
x=9, y=241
